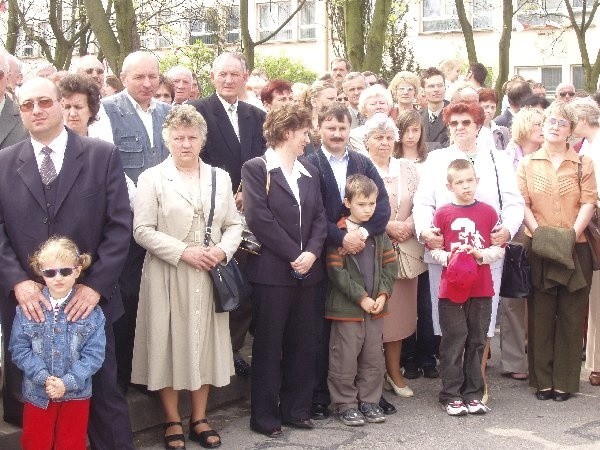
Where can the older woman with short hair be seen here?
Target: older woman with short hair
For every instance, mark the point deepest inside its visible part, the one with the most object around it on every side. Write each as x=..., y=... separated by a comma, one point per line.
x=276, y=93
x=166, y=90
x=374, y=99
x=588, y=128
x=180, y=341
x=284, y=209
x=560, y=195
x=80, y=102
x=404, y=88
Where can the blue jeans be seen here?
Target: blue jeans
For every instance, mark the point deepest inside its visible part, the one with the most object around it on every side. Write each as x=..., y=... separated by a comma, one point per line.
x=464, y=330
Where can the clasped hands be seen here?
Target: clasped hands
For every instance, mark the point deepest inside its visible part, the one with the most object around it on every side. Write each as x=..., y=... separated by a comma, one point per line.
x=373, y=306
x=303, y=263
x=55, y=387
x=203, y=258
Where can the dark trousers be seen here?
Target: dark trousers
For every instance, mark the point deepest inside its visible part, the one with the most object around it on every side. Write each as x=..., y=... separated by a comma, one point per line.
x=124, y=327
x=555, y=332
x=11, y=375
x=241, y=318
x=283, y=354
x=109, y=426
x=323, y=332
x=464, y=330
x=420, y=347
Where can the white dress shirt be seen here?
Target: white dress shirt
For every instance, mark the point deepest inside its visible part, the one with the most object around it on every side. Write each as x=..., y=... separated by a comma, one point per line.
x=145, y=116
x=232, y=114
x=339, y=166
x=58, y=146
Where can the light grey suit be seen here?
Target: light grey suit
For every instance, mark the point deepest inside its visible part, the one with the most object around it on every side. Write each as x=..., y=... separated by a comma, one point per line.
x=12, y=130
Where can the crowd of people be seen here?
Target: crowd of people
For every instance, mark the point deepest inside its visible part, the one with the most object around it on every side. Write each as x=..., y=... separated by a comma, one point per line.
x=119, y=195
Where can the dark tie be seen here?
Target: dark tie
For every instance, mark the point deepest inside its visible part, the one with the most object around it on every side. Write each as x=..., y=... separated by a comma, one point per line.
x=432, y=117
x=360, y=119
x=47, y=169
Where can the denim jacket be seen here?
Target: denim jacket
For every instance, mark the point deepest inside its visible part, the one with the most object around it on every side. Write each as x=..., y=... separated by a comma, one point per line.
x=72, y=351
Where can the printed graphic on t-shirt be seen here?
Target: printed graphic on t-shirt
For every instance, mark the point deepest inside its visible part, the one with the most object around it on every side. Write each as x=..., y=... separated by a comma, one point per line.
x=468, y=234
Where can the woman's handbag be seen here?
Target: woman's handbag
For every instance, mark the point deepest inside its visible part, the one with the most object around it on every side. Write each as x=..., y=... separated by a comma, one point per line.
x=230, y=285
x=516, y=273
x=410, y=258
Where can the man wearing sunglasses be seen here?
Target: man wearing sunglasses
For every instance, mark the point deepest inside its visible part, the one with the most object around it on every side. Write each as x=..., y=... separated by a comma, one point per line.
x=11, y=126
x=565, y=92
x=60, y=183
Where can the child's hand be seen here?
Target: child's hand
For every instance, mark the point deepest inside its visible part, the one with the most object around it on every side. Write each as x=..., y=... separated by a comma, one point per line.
x=367, y=304
x=379, y=304
x=55, y=388
x=476, y=253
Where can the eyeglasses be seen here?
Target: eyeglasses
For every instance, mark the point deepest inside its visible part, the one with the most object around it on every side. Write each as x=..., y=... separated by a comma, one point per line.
x=64, y=272
x=405, y=88
x=562, y=123
x=91, y=71
x=464, y=123
x=28, y=105
x=434, y=86
x=564, y=94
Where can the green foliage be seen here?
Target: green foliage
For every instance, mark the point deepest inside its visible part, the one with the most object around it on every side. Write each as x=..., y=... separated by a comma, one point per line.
x=397, y=54
x=197, y=57
x=284, y=68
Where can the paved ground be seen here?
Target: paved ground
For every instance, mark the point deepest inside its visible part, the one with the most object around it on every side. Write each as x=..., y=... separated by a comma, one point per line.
x=516, y=420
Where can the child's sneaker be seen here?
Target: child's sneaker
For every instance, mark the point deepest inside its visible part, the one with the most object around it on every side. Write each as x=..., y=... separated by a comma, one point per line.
x=352, y=417
x=456, y=408
x=477, y=407
x=372, y=412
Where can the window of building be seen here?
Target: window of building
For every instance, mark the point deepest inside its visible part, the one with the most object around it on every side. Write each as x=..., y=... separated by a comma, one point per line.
x=271, y=16
x=440, y=15
x=307, y=28
x=549, y=76
x=232, y=34
x=577, y=77
x=482, y=14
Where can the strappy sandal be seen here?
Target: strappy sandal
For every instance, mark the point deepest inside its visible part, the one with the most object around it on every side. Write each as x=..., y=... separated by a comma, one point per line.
x=173, y=437
x=202, y=437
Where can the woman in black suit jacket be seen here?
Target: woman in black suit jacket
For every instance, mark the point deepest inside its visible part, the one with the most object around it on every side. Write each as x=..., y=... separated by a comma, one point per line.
x=284, y=209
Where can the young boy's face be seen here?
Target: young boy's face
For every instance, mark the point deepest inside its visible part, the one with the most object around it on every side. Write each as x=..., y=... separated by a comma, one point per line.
x=463, y=185
x=361, y=207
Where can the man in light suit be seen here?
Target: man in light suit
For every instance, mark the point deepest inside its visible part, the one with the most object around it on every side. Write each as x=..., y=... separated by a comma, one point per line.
x=11, y=126
x=59, y=183
x=234, y=136
x=432, y=120
x=136, y=120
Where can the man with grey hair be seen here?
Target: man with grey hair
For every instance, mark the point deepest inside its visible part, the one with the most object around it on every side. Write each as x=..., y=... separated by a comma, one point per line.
x=354, y=83
x=181, y=77
x=15, y=74
x=565, y=92
x=11, y=126
x=136, y=120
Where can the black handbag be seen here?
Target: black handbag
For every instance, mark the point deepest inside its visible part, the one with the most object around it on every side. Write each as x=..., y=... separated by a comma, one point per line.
x=516, y=271
x=230, y=285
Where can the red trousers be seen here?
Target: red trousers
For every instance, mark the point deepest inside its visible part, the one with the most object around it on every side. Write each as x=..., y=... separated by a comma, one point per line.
x=62, y=426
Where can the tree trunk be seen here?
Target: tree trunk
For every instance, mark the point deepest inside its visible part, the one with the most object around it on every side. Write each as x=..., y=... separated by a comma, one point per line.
x=355, y=33
x=12, y=27
x=467, y=31
x=247, y=42
x=126, y=24
x=376, y=37
x=504, y=49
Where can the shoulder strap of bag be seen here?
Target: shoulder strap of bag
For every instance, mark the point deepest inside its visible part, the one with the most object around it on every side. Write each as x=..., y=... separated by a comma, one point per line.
x=208, y=232
x=267, y=184
x=497, y=180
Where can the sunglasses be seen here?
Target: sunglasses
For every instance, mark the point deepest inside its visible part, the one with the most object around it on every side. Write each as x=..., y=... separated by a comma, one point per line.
x=562, y=123
x=564, y=94
x=91, y=71
x=464, y=123
x=28, y=105
x=64, y=272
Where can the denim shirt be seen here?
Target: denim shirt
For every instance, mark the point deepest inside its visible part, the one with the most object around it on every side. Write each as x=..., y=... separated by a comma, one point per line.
x=72, y=351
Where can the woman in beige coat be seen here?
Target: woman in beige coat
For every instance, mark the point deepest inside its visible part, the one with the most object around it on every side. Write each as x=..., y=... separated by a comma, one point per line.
x=180, y=342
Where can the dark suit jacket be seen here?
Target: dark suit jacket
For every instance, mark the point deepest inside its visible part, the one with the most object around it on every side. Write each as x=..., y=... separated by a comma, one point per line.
x=274, y=219
x=436, y=133
x=335, y=209
x=92, y=208
x=505, y=119
x=222, y=147
x=12, y=130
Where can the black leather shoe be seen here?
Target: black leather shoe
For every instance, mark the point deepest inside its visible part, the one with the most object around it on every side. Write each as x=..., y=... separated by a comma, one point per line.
x=319, y=411
x=387, y=407
x=305, y=424
x=242, y=368
x=544, y=395
x=411, y=371
x=431, y=372
x=561, y=396
x=274, y=433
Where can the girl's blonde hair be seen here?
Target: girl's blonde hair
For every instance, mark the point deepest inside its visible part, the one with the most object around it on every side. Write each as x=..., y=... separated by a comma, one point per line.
x=59, y=247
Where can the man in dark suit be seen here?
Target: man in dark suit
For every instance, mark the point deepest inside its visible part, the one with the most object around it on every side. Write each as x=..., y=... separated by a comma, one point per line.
x=432, y=121
x=11, y=126
x=136, y=121
x=516, y=92
x=234, y=136
x=335, y=162
x=59, y=183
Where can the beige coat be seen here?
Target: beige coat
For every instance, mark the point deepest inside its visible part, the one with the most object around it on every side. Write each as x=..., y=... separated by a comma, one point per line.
x=180, y=341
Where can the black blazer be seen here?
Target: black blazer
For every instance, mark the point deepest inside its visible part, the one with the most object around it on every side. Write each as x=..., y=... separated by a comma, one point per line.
x=274, y=218
x=92, y=208
x=12, y=130
x=505, y=119
x=436, y=133
x=335, y=209
x=222, y=147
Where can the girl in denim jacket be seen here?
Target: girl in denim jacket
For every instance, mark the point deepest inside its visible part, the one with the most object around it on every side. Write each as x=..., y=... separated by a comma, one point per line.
x=57, y=357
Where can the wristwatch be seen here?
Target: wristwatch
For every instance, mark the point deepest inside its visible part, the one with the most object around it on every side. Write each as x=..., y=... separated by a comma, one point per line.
x=363, y=232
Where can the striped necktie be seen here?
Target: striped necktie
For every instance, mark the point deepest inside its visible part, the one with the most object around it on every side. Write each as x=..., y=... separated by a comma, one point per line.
x=47, y=169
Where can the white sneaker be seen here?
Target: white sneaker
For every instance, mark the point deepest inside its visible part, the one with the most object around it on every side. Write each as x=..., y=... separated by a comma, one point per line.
x=477, y=407
x=456, y=408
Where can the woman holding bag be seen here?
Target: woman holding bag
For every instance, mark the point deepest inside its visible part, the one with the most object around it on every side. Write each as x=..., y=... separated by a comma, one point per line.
x=401, y=180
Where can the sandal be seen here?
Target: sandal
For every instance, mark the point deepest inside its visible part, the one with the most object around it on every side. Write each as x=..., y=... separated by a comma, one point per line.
x=202, y=437
x=173, y=437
